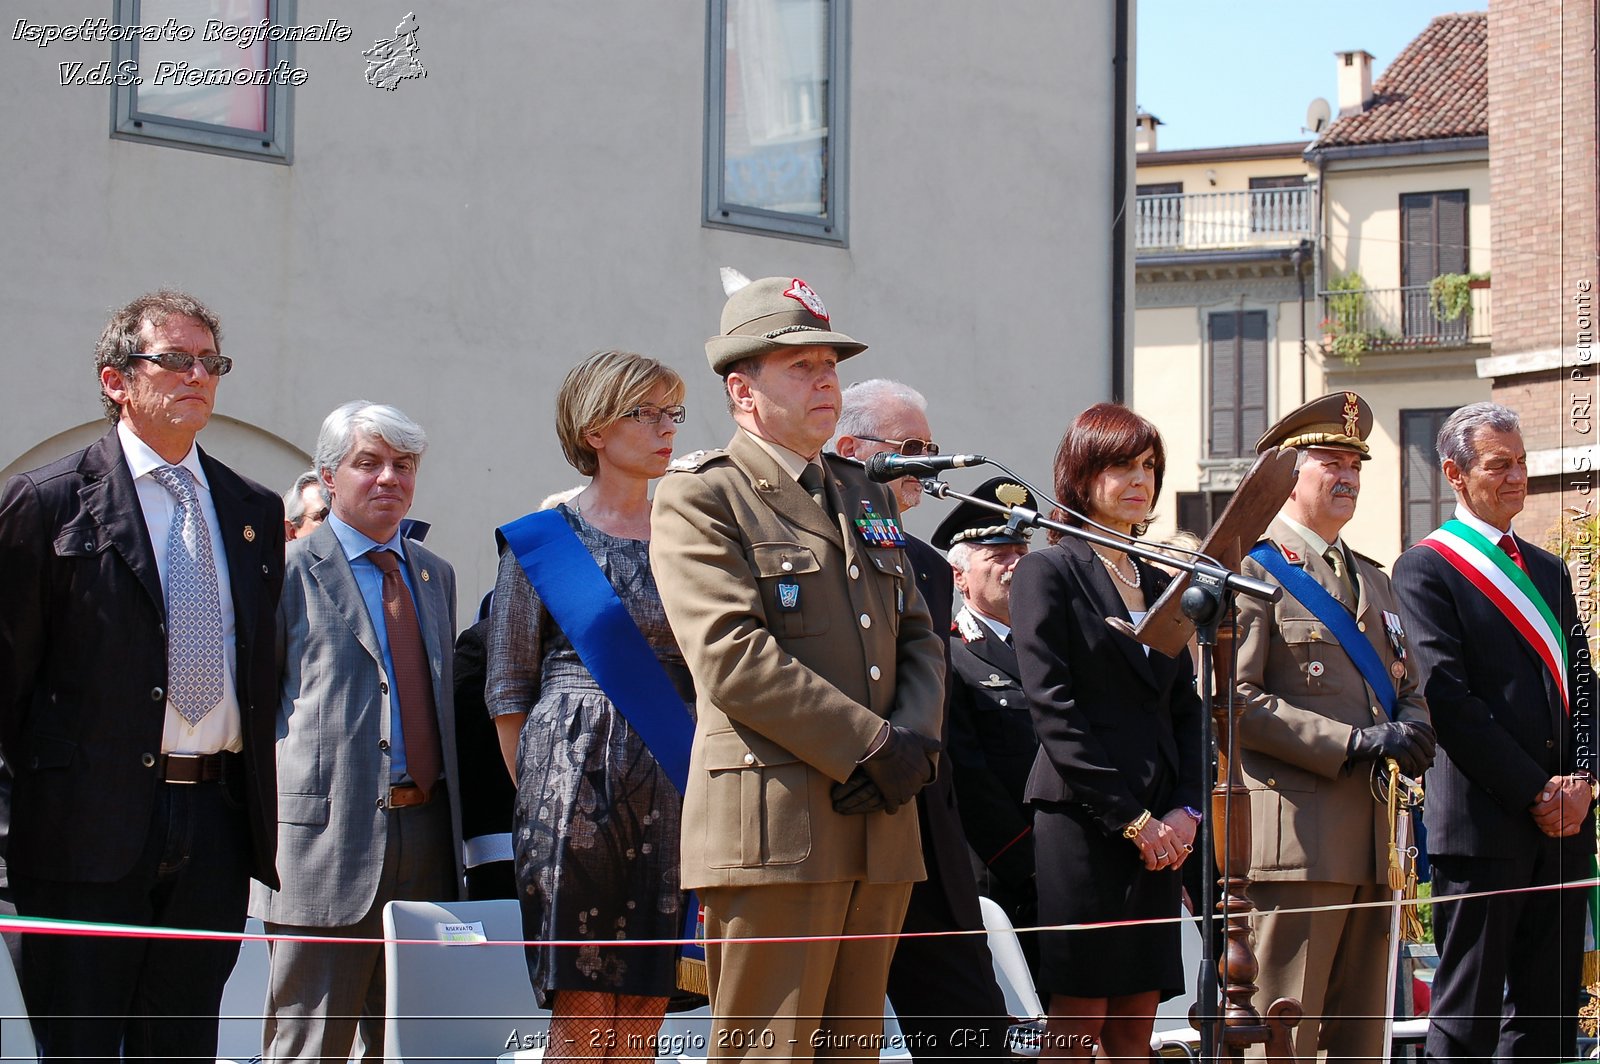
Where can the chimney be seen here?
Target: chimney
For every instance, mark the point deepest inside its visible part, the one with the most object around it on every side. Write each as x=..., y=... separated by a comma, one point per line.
x=1144, y=131
x=1355, y=82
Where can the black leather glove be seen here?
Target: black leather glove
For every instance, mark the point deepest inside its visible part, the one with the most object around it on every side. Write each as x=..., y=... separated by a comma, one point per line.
x=902, y=766
x=858, y=794
x=1410, y=743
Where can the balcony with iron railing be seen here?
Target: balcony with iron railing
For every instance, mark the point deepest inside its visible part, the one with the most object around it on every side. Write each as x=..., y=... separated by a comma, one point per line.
x=1214, y=221
x=1413, y=317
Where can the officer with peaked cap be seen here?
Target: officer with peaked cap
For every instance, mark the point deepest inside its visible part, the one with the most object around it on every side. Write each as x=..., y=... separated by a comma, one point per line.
x=992, y=741
x=819, y=683
x=1329, y=694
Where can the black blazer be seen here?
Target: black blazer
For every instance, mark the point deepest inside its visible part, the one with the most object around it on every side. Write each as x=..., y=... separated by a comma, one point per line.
x=83, y=669
x=1119, y=731
x=1498, y=713
x=991, y=751
x=944, y=847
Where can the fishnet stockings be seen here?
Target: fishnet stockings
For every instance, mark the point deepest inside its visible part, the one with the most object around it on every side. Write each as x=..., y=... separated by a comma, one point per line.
x=590, y=1026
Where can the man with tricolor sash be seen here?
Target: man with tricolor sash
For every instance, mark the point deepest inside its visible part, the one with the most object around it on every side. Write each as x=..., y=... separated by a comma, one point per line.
x=1330, y=694
x=1501, y=655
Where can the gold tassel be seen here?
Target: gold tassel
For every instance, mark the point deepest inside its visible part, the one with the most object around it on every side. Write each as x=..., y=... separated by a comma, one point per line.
x=1591, y=967
x=1397, y=876
x=692, y=976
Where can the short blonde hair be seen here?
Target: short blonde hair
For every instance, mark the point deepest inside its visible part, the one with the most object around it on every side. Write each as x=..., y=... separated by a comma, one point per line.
x=598, y=391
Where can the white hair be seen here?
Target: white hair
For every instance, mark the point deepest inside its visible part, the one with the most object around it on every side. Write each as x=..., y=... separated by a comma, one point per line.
x=1455, y=436
x=294, y=500
x=960, y=555
x=387, y=423
x=863, y=403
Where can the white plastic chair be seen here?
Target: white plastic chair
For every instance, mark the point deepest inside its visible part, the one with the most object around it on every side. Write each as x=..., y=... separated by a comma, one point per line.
x=16, y=1033
x=458, y=1000
x=1010, y=966
x=244, y=998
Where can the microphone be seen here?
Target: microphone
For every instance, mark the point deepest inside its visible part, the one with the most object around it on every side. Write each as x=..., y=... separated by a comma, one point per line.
x=884, y=467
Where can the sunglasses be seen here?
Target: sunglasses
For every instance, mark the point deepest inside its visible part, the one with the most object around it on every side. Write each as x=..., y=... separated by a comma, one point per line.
x=911, y=448
x=652, y=415
x=182, y=361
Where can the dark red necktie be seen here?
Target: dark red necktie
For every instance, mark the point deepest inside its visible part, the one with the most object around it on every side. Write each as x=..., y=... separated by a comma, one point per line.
x=1509, y=545
x=413, y=679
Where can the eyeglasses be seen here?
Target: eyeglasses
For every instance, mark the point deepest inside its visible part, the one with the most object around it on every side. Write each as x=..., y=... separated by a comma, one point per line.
x=182, y=361
x=911, y=447
x=318, y=516
x=652, y=415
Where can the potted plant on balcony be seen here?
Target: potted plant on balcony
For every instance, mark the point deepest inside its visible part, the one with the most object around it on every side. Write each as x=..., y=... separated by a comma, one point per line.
x=1343, y=330
x=1450, y=294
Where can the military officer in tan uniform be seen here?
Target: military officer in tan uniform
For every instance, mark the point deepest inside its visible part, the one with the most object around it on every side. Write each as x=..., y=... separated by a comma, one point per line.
x=819, y=683
x=1312, y=732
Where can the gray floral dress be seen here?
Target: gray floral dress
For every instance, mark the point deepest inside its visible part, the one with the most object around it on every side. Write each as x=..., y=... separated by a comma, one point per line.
x=596, y=819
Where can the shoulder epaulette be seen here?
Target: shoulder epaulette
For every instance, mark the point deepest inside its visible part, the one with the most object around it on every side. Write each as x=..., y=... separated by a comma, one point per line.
x=695, y=461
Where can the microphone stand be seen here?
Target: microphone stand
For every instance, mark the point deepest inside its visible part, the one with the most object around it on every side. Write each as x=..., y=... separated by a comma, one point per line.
x=1207, y=600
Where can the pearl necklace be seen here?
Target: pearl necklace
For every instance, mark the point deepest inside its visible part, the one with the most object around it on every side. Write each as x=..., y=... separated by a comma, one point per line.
x=1117, y=573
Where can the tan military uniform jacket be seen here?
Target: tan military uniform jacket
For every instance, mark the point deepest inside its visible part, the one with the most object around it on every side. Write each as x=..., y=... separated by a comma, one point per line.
x=1310, y=818
x=802, y=638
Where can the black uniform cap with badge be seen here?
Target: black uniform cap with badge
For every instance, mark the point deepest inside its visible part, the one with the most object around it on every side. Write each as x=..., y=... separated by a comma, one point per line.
x=979, y=525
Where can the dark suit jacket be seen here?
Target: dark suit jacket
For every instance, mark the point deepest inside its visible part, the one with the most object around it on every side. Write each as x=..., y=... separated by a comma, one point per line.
x=83, y=673
x=1119, y=731
x=1498, y=714
x=944, y=848
x=991, y=750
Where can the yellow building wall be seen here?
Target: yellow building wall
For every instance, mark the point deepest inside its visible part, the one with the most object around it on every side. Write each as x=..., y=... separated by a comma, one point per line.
x=1362, y=215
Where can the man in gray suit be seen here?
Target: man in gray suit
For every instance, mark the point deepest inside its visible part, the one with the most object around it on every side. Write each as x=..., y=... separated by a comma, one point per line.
x=366, y=740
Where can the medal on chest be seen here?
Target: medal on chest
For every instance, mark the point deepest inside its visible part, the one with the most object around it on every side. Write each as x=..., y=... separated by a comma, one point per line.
x=879, y=531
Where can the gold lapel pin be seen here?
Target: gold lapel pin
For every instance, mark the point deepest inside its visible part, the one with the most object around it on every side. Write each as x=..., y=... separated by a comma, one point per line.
x=424, y=576
x=249, y=534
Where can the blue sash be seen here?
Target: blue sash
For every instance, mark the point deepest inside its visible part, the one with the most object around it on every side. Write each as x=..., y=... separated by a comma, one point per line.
x=1327, y=609
x=610, y=645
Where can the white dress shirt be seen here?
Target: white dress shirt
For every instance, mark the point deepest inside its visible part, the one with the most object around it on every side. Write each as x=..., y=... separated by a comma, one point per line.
x=218, y=729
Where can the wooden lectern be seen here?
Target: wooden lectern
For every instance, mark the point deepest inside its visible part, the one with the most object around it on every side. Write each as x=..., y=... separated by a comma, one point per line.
x=1166, y=628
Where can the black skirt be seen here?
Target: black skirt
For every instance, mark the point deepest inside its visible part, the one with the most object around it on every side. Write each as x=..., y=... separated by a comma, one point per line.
x=1086, y=876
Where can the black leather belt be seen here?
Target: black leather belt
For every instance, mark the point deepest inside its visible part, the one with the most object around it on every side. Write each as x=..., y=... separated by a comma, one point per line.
x=198, y=768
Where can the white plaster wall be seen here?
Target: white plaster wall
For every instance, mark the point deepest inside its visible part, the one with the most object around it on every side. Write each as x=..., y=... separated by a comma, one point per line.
x=454, y=245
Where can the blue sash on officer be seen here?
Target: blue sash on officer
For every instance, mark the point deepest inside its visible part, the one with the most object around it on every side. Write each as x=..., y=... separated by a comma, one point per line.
x=610, y=645
x=1327, y=609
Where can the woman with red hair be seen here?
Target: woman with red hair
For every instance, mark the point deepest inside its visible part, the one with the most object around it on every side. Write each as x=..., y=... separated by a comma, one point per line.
x=1118, y=783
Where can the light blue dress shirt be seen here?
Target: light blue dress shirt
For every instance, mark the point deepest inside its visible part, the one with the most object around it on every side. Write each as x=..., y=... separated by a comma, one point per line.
x=369, y=578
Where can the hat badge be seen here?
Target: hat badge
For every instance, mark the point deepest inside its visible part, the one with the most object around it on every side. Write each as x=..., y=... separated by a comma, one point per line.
x=1352, y=413
x=803, y=294
x=1011, y=494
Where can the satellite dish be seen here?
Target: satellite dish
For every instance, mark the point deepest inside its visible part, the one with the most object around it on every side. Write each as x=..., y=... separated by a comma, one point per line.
x=1317, y=115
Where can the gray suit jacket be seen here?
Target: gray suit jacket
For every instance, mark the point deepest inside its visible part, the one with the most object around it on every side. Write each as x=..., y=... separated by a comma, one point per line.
x=334, y=732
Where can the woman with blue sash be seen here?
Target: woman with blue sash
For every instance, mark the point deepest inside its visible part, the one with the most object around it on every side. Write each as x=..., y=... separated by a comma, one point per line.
x=593, y=706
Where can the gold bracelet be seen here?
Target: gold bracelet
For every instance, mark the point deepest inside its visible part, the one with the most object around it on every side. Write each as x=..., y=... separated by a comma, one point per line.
x=1133, y=829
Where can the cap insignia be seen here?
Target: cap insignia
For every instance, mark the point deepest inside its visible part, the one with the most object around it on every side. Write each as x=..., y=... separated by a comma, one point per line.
x=802, y=293
x=1352, y=413
x=1011, y=494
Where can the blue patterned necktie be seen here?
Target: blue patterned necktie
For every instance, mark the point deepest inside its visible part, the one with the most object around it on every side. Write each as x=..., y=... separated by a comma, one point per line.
x=195, y=659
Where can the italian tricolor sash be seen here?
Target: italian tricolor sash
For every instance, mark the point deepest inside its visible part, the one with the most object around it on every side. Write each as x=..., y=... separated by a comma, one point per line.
x=1505, y=585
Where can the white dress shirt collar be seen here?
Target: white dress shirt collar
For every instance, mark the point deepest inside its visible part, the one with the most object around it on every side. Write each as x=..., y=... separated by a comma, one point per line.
x=142, y=459
x=1479, y=525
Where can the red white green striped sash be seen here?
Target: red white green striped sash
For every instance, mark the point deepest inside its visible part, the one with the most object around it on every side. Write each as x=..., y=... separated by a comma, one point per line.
x=1503, y=582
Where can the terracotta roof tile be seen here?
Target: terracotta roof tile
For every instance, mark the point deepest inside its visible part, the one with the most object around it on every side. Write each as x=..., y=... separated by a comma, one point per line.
x=1438, y=88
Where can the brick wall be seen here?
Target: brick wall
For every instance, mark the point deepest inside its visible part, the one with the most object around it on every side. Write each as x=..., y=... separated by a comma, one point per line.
x=1542, y=164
